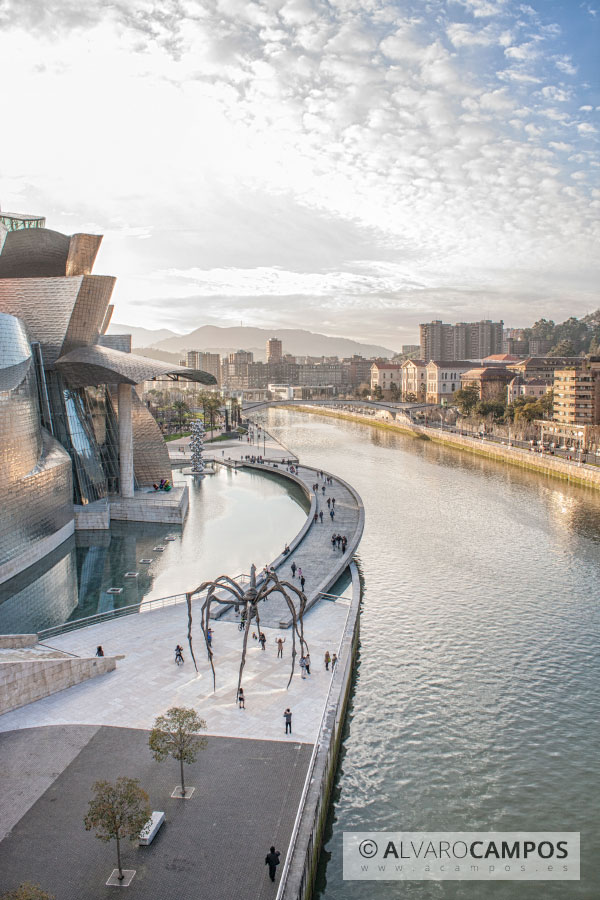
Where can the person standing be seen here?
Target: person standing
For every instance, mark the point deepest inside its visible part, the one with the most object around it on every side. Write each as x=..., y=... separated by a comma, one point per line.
x=302, y=582
x=293, y=568
x=344, y=543
x=321, y=516
x=280, y=643
x=333, y=502
x=272, y=859
x=333, y=540
x=288, y=720
x=334, y=660
x=332, y=513
x=263, y=640
x=307, y=662
x=327, y=660
x=302, y=665
x=299, y=571
x=99, y=650
x=241, y=699
x=329, y=502
x=323, y=489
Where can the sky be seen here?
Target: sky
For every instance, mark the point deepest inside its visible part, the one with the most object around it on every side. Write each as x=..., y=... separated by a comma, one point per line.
x=354, y=167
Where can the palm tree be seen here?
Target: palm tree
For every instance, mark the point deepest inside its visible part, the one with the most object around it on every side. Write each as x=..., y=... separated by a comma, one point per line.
x=182, y=411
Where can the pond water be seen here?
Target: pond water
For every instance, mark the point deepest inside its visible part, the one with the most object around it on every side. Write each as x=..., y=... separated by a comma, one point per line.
x=235, y=519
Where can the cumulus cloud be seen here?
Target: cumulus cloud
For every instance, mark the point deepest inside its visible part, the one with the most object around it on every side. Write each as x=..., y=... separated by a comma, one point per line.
x=348, y=151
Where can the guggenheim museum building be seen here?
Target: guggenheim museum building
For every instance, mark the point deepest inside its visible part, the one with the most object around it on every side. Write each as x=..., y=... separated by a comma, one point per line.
x=78, y=447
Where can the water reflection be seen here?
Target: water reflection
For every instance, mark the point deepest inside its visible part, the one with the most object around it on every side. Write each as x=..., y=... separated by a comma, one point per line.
x=477, y=695
x=234, y=519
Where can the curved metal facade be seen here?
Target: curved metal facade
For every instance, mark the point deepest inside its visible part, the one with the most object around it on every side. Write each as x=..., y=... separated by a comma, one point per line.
x=37, y=510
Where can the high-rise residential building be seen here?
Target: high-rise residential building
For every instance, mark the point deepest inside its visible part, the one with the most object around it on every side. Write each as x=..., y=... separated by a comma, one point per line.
x=576, y=415
x=274, y=350
x=465, y=340
x=206, y=362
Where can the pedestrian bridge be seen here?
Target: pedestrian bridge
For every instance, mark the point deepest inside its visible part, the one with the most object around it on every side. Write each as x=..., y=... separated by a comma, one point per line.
x=399, y=411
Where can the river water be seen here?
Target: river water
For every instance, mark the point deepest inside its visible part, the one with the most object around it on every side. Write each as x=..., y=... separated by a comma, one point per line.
x=476, y=697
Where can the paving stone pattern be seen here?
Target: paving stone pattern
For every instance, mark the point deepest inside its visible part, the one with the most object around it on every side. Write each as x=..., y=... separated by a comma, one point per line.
x=212, y=846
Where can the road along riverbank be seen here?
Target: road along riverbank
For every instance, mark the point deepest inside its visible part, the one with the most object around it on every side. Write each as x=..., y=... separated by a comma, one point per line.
x=514, y=456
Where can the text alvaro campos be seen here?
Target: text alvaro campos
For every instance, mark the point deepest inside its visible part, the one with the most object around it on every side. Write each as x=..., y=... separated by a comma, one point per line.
x=461, y=856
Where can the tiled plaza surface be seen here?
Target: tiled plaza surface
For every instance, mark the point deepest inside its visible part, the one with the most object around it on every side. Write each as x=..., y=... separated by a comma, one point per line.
x=248, y=782
x=211, y=847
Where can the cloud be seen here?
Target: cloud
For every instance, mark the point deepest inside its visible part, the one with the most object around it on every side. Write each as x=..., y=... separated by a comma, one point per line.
x=343, y=152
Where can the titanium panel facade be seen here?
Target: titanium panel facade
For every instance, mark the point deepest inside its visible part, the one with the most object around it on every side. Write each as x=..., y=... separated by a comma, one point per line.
x=60, y=313
x=102, y=365
x=41, y=253
x=36, y=486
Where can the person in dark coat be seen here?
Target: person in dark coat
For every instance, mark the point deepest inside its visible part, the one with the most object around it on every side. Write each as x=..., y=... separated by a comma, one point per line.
x=272, y=861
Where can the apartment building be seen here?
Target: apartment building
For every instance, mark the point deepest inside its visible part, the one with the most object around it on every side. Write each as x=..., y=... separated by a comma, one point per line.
x=443, y=378
x=465, y=340
x=386, y=376
x=414, y=379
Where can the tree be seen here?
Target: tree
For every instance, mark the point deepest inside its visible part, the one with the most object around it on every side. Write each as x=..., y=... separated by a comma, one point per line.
x=176, y=734
x=563, y=348
x=395, y=391
x=118, y=811
x=182, y=411
x=466, y=398
x=495, y=408
x=377, y=392
x=27, y=891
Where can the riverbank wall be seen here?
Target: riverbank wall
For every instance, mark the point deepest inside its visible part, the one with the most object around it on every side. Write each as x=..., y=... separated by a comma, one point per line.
x=514, y=456
x=300, y=869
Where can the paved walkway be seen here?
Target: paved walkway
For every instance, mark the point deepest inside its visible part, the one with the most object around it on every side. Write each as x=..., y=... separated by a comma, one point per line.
x=147, y=681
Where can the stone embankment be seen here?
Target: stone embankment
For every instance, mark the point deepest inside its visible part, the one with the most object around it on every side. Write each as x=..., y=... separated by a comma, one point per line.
x=542, y=463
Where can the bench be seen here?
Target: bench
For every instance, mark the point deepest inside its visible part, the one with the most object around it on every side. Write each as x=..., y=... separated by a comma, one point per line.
x=150, y=829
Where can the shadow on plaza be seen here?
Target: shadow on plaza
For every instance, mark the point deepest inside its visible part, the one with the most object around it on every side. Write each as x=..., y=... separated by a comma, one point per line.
x=211, y=846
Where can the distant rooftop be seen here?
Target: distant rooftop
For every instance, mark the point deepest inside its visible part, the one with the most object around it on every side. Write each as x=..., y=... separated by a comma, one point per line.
x=17, y=221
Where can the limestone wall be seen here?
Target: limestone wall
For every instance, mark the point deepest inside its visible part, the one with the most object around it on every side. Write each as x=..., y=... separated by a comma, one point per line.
x=17, y=641
x=23, y=681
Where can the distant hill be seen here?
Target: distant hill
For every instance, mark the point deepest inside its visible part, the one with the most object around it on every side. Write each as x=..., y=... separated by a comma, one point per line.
x=296, y=341
x=162, y=355
x=142, y=337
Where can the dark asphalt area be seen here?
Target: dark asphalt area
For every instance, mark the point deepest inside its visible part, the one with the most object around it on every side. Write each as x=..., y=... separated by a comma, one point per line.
x=211, y=847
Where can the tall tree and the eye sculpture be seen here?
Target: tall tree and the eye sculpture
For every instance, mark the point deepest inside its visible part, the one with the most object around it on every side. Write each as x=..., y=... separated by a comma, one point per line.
x=246, y=600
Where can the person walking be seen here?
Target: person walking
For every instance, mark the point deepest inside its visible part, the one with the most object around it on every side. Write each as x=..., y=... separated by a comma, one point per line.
x=288, y=720
x=178, y=654
x=263, y=640
x=323, y=489
x=321, y=516
x=280, y=643
x=241, y=699
x=333, y=502
x=293, y=568
x=339, y=540
x=327, y=660
x=272, y=859
x=299, y=571
x=329, y=502
x=302, y=583
x=344, y=543
x=332, y=513
x=307, y=662
x=315, y=517
x=302, y=665
x=334, y=660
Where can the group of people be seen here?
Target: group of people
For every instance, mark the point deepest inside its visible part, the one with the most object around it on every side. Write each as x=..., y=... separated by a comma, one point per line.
x=337, y=541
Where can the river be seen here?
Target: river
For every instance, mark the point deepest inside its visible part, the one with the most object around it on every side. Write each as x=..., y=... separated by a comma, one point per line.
x=476, y=696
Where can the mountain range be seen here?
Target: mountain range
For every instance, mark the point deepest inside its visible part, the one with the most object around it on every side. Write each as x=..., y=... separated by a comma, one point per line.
x=224, y=340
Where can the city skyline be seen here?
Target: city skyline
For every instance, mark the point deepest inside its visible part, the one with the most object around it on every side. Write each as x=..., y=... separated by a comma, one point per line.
x=368, y=166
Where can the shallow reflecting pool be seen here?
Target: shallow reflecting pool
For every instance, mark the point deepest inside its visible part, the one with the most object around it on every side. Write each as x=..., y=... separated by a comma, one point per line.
x=235, y=519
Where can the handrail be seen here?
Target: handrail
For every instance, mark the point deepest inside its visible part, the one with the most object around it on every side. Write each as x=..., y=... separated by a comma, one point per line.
x=343, y=667
x=142, y=607
x=308, y=779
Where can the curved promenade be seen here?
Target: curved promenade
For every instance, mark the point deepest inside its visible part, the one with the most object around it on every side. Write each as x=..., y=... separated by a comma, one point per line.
x=254, y=785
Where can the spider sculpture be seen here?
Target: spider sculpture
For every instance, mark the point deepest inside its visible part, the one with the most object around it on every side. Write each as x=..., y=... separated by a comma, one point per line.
x=247, y=601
